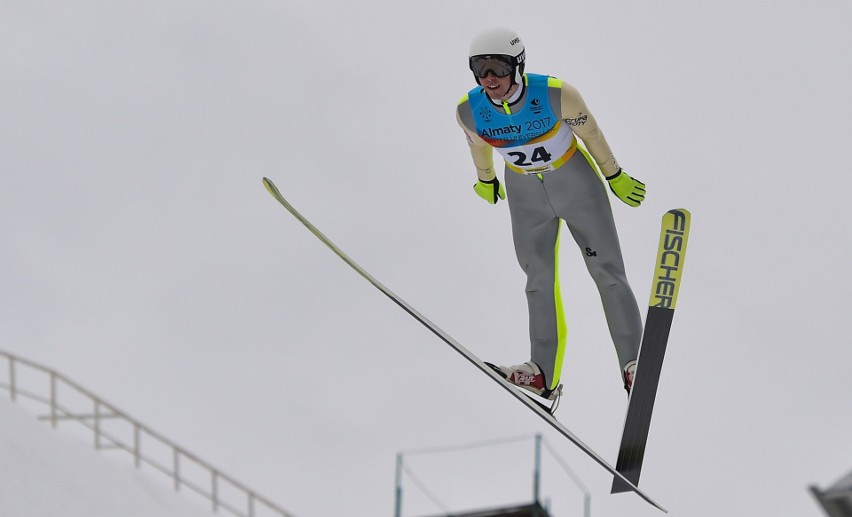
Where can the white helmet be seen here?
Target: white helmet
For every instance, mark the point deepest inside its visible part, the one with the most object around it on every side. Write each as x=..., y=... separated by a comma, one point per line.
x=503, y=44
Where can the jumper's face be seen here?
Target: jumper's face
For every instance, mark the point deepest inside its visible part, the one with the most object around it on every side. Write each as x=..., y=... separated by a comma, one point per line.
x=494, y=73
x=497, y=88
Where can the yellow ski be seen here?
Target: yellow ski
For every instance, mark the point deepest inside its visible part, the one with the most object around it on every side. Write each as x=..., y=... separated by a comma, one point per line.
x=664, y=290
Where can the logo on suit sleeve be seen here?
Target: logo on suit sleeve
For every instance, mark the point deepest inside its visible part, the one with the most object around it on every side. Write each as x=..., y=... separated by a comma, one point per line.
x=579, y=121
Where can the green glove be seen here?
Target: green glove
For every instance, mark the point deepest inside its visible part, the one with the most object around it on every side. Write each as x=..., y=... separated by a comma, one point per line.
x=629, y=190
x=490, y=190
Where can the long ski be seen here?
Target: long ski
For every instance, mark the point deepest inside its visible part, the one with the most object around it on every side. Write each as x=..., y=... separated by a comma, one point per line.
x=674, y=235
x=538, y=409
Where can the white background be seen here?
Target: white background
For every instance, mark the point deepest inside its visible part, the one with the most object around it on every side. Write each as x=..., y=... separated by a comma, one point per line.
x=142, y=257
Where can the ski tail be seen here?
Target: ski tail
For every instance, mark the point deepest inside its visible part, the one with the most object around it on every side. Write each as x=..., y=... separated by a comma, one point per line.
x=674, y=235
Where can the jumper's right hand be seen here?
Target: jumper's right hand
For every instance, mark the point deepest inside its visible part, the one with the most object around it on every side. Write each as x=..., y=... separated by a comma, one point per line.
x=490, y=190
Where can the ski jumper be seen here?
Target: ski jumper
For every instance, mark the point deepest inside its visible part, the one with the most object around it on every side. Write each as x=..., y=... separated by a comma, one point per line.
x=548, y=179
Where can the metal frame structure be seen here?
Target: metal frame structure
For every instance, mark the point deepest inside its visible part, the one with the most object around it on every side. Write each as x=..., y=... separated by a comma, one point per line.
x=535, y=508
x=58, y=392
x=836, y=500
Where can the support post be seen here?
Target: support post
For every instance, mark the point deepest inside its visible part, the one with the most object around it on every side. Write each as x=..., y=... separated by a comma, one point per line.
x=398, y=496
x=176, y=466
x=12, y=387
x=97, y=424
x=53, y=413
x=137, y=453
x=214, y=490
x=537, y=471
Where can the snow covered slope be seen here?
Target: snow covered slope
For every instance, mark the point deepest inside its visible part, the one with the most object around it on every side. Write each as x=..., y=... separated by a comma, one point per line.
x=47, y=473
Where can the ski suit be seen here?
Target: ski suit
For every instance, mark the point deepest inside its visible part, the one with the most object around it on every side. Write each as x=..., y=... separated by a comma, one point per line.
x=547, y=181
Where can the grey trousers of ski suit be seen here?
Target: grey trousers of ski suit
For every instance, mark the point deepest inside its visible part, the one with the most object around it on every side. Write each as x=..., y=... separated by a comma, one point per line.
x=573, y=193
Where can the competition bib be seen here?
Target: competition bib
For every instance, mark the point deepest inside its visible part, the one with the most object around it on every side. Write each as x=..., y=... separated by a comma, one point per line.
x=544, y=154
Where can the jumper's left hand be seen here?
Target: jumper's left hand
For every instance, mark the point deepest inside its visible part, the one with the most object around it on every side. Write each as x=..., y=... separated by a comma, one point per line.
x=629, y=190
x=490, y=190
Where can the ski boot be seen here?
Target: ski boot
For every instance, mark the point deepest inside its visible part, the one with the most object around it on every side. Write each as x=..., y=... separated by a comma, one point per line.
x=629, y=374
x=528, y=376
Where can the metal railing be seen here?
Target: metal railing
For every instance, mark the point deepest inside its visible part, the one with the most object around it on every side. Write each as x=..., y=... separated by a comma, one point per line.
x=112, y=428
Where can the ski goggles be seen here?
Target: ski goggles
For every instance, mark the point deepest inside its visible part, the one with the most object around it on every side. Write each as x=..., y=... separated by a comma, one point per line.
x=500, y=66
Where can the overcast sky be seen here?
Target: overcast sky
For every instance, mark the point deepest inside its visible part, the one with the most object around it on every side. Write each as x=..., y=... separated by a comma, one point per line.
x=142, y=257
